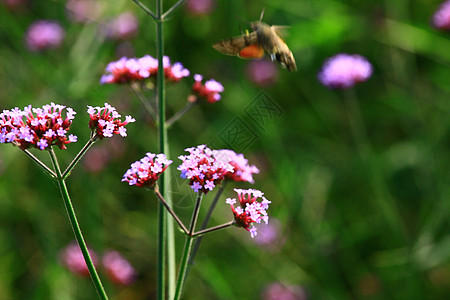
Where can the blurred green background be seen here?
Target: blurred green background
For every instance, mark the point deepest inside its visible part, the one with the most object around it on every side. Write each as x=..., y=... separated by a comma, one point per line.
x=363, y=209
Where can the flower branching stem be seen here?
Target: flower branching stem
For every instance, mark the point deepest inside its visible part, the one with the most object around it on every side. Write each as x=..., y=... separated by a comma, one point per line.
x=78, y=157
x=76, y=227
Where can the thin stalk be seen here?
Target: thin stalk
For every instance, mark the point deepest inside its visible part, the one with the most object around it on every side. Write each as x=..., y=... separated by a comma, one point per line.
x=46, y=169
x=78, y=157
x=179, y=114
x=169, y=209
x=206, y=221
x=187, y=248
x=172, y=9
x=135, y=87
x=76, y=227
x=163, y=146
x=146, y=9
x=200, y=233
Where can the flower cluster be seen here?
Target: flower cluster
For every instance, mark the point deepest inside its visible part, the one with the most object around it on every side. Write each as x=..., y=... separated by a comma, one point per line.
x=345, y=70
x=42, y=127
x=126, y=70
x=242, y=170
x=210, y=90
x=104, y=121
x=119, y=270
x=146, y=171
x=205, y=168
x=43, y=35
x=249, y=210
x=123, y=27
x=73, y=259
x=441, y=18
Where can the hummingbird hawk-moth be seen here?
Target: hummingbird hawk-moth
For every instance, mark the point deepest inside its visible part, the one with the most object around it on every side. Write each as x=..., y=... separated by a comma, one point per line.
x=263, y=39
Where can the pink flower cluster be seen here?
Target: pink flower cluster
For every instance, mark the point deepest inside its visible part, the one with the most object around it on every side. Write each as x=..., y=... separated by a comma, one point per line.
x=249, y=210
x=205, y=168
x=104, y=121
x=210, y=90
x=242, y=170
x=42, y=127
x=146, y=171
x=441, y=18
x=126, y=70
x=118, y=269
x=43, y=35
x=344, y=71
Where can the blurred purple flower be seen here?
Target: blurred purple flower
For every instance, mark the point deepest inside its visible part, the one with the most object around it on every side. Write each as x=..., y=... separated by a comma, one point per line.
x=73, y=259
x=123, y=27
x=43, y=35
x=262, y=72
x=119, y=270
x=344, y=70
x=200, y=7
x=441, y=18
x=83, y=11
x=269, y=235
x=279, y=291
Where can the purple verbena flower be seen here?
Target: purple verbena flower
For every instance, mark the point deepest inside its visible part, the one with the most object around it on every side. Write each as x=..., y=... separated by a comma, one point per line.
x=123, y=27
x=205, y=168
x=249, y=210
x=210, y=90
x=73, y=259
x=105, y=122
x=42, y=127
x=200, y=7
x=43, y=35
x=345, y=70
x=441, y=18
x=118, y=269
x=146, y=171
x=262, y=72
x=242, y=170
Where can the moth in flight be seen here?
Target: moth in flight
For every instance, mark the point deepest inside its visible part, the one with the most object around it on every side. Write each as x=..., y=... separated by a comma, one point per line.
x=263, y=39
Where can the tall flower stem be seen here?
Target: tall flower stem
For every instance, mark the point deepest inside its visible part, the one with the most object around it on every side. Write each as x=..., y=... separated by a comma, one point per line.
x=46, y=169
x=187, y=248
x=78, y=157
x=206, y=221
x=76, y=227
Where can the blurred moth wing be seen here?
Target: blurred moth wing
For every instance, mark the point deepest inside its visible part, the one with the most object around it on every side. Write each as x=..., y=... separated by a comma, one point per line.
x=245, y=46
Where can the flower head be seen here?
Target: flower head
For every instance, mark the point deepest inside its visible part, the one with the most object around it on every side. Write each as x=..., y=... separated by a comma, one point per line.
x=210, y=90
x=262, y=72
x=73, y=259
x=441, y=18
x=105, y=121
x=146, y=171
x=118, y=269
x=345, y=70
x=279, y=291
x=200, y=7
x=126, y=70
x=249, y=210
x=42, y=127
x=205, y=168
x=242, y=170
x=123, y=27
x=43, y=35
x=83, y=11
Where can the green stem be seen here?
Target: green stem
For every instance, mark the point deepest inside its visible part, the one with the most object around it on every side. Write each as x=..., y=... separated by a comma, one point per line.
x=200, y=233
x=179, y=114
x=76, y=227
x=78, y=157
x=172, y=9
x=136, y=88
x=187, y=247
x=169, y=209
x=146, y=9
x=162, y=133
x=206, y=221
x=46, y=169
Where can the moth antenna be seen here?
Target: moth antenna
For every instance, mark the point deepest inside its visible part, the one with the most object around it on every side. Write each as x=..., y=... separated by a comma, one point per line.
x=262, y=15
